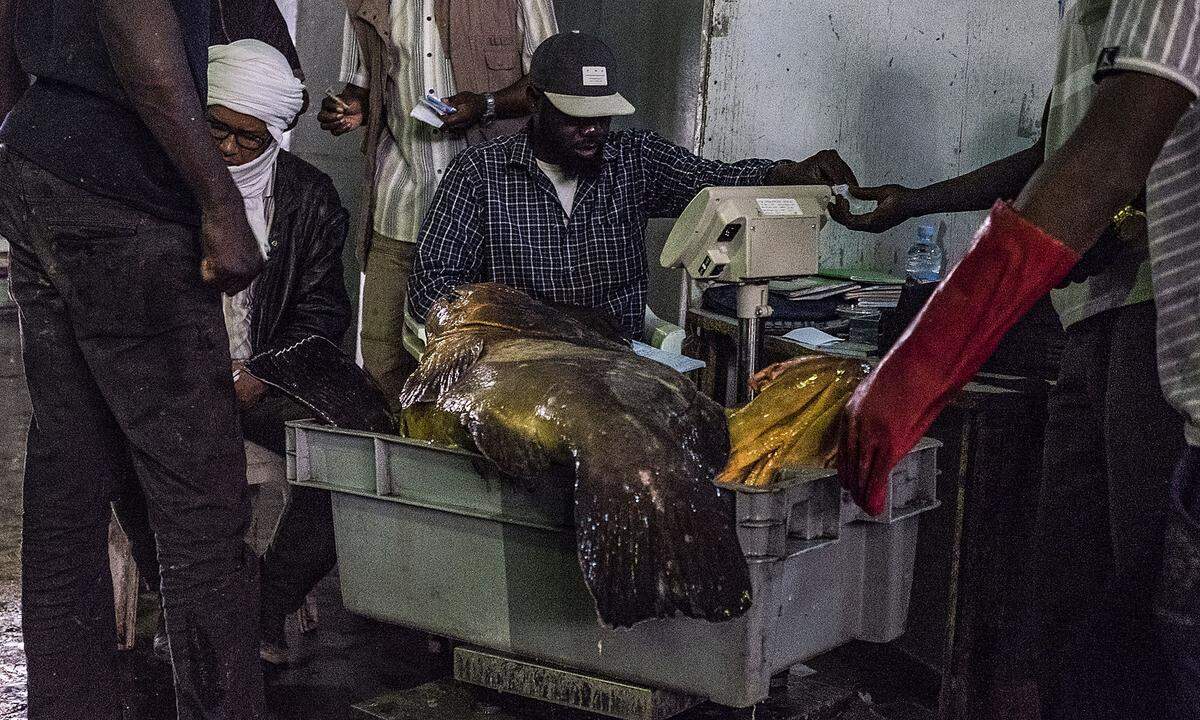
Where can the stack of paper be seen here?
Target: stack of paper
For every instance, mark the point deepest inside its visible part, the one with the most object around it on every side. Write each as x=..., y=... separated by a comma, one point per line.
x=876, y=296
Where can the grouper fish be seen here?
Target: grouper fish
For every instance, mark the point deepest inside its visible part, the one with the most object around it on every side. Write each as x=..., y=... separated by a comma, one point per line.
x=549, y=399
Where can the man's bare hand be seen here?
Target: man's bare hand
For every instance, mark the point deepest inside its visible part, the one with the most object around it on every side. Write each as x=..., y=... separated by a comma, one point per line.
x=468, y=112
x=249, y=389
x=895, y=206
x=345, y=113
x=231, y=256
x=824, y=168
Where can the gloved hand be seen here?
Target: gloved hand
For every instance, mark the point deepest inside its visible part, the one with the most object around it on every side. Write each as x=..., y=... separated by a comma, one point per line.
x=1011, y=265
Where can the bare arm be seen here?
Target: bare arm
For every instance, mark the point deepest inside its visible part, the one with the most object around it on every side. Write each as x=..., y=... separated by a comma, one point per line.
x=1106, y=161
x=511, y=102
x=13, y=80
x=979, y=189
x=145, y=44
x=976, y=190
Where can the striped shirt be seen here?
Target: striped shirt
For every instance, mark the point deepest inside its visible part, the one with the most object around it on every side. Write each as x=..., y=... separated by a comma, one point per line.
x=1162, y=38
x=412, y=156
x=1126, y=278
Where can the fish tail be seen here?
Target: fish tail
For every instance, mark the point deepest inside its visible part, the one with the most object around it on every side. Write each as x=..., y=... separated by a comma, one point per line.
x=657, y=544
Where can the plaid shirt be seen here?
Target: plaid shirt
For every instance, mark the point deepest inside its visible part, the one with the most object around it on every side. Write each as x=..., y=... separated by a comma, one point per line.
x=496, y=217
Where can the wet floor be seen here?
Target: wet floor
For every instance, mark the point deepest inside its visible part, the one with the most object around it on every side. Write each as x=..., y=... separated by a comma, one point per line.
x=350, y=660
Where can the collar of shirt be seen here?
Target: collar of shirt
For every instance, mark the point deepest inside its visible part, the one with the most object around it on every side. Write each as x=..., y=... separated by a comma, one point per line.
x=519, y=153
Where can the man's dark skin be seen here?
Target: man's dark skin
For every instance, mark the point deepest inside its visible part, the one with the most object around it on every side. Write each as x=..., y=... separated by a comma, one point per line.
x=346, y=113
x=146, y=47
x=1074, y=194
x=576, y=144
x=976, y=190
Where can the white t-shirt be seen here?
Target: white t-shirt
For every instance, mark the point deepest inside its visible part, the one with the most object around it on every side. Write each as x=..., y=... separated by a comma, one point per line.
x=564, y=185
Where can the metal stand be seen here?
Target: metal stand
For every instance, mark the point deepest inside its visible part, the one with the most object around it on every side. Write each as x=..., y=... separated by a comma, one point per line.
x=752, y=307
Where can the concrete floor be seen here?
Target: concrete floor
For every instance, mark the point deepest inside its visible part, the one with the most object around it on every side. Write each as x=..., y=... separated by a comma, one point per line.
x=349, y=659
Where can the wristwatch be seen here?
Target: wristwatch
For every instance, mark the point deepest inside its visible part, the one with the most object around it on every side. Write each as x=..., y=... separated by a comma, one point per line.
x=489, y=108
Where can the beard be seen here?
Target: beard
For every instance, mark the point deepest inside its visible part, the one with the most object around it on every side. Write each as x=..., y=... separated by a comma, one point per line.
x=583, y=167
x=542, y=134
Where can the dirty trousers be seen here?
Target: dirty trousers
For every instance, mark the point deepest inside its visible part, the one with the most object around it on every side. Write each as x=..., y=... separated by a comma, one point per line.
x=128, y=369
x=264, y=424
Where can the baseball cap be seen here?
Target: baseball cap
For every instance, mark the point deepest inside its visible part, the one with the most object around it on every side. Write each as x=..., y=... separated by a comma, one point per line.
x=577, y=72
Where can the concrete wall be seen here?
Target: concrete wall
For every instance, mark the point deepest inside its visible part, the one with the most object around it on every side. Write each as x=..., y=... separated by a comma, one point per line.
x=909, y=91
x=318, y=33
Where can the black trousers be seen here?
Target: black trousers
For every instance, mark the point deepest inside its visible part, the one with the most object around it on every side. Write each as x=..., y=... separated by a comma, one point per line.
x=127, y=364
x=1178, y=606
x=301, y=553
x=262, y=424
x=302, y=550
x=1111, y=444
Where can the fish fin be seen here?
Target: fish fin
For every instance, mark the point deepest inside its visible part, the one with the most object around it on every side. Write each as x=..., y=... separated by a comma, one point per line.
x=516, y=455
x=655, y=545
x=319, y=375
x=443, y=364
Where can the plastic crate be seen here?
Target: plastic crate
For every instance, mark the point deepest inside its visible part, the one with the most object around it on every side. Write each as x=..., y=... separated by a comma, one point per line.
x=441, y=543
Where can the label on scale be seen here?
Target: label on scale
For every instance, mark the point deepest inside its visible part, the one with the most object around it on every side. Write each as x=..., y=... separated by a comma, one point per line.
x=778, y=206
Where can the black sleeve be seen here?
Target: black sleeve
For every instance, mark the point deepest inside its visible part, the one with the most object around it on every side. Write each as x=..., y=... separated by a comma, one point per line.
x=321, y=305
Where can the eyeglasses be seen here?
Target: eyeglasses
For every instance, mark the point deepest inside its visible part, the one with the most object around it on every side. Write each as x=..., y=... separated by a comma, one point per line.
x=246, y=141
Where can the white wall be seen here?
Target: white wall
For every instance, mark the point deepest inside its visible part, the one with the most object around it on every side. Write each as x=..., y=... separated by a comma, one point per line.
x=908, y=91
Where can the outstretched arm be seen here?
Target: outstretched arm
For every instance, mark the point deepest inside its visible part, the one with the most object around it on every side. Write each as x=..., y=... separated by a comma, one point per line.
x=976, y=190
x=1019, y=254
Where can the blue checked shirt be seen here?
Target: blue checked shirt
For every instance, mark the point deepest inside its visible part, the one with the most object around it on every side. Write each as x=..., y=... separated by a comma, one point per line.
x=496, y=217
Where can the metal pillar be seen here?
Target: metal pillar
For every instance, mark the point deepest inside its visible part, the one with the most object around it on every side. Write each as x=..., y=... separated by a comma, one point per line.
x=752, y=307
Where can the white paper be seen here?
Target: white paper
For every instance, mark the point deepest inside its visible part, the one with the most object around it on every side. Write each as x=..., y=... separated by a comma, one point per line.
x=426, y=114
x=680, y=363
x=778, y=206
x=812, y=337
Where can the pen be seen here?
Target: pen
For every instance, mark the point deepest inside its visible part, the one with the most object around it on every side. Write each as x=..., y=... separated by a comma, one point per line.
x=436, y=103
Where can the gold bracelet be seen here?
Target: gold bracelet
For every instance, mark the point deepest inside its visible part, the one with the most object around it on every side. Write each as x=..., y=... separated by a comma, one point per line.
x=1126, y=213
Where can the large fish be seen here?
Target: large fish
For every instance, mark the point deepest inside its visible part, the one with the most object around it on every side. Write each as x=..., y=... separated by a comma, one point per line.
x=548, y=399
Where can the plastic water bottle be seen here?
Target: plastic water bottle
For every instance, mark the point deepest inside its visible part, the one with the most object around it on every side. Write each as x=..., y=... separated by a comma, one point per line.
x=924, y=261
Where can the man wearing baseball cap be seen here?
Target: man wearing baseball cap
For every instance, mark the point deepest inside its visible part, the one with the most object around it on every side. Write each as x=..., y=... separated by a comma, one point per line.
x=559, y=209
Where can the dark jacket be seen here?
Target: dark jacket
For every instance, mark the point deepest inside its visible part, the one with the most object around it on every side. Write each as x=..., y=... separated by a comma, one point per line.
x=301, y=290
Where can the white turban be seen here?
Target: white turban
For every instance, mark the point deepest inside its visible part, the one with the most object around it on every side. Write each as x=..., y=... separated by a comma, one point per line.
x=253, y=78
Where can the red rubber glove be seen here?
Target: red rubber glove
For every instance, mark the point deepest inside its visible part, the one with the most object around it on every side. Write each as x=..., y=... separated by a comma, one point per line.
x=1012, y=264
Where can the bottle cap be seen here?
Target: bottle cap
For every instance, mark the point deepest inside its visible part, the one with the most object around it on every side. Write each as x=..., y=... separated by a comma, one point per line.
x=926, y=231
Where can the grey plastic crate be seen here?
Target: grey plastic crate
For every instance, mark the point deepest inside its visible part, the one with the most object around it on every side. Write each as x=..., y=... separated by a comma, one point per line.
x=437, y=541
x=912, y=487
